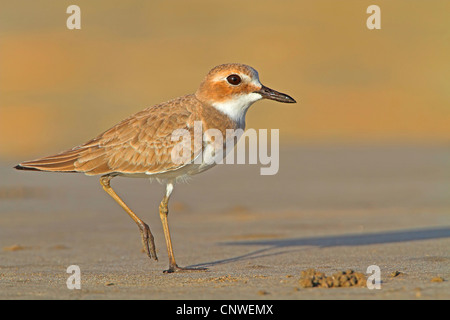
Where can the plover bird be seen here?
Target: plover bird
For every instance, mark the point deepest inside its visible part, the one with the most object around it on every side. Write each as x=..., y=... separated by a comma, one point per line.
x=142, y=144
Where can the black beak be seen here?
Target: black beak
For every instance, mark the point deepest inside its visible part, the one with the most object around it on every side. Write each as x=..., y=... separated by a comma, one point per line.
x=268, y=93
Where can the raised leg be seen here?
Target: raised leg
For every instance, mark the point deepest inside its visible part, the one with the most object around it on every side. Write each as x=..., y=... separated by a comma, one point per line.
x=163, y=213
x=147, y=238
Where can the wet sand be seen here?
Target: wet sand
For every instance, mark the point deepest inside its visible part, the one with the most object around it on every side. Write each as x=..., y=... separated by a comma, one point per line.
x=328, y=208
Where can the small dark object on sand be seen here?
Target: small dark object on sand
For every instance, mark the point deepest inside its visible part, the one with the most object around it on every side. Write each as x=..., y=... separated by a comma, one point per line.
x=312, y=278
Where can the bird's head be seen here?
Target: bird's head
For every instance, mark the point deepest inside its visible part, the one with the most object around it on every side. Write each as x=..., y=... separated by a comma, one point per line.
x=232, y=88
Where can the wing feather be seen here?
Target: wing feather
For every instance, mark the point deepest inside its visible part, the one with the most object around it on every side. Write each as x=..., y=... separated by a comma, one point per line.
x=141, y=143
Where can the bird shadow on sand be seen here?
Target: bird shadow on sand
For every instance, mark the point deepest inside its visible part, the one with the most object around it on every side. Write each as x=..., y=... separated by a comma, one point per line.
x=293, y=244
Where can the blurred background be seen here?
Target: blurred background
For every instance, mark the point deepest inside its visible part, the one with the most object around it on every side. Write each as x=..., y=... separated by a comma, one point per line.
x=60, y=87
x=364, y=175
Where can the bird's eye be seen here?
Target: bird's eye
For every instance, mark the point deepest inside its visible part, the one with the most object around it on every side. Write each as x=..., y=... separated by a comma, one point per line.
x=234, y=79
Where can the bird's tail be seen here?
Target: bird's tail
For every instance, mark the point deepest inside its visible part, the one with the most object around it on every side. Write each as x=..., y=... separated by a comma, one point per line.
x=61, y=162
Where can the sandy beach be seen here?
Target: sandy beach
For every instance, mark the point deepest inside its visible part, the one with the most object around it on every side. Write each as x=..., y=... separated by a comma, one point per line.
x=330, y=208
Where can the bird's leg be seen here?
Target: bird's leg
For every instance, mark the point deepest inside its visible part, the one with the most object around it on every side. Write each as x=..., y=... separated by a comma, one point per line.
x=147, y=237
x=163, y=213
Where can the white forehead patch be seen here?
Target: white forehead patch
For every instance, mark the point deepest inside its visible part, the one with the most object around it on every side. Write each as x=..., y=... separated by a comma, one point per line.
x=254, y=80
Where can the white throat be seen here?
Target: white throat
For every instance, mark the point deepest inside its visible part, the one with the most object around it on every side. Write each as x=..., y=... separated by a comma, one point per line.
x=236, y=108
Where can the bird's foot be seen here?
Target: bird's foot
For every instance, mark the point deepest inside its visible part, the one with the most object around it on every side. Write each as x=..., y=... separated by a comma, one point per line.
x=148, y=241
x=176, y=268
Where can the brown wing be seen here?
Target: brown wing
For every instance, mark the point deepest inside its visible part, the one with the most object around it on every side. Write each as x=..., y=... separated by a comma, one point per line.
x=141, y=143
